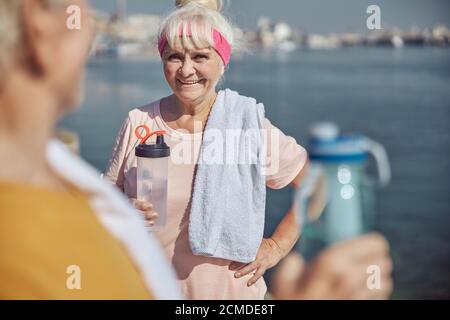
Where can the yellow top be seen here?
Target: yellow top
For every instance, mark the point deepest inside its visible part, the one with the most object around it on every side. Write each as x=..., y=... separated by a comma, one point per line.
x=51, y=244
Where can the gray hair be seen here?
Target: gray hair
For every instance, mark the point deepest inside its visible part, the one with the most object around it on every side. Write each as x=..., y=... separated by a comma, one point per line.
x=200, y=17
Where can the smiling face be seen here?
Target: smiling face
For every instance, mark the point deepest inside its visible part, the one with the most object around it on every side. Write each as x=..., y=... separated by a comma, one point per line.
x=192, y=74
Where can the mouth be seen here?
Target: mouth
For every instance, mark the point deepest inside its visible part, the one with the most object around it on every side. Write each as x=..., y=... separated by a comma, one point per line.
x=190, y=82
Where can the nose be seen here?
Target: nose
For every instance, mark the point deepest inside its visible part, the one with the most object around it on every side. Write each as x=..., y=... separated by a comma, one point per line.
x=187, y=69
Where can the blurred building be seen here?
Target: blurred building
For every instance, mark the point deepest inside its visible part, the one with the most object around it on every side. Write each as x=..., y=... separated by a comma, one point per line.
x=121, y=35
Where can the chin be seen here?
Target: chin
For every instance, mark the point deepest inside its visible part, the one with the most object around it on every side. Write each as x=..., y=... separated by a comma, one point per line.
x=74, y=100
x=189, y=95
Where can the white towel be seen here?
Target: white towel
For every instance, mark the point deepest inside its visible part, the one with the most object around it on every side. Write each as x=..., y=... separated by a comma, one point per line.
x=229, y=196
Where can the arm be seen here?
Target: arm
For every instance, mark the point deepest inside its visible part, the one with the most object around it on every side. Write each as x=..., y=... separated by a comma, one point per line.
x=275, y=248
x=288, y=231
x=114, y=173
x=272, y=250
x=301, y=176
x=291, y=165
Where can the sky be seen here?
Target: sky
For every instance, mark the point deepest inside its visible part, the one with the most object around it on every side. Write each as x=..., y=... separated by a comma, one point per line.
x=324, y=16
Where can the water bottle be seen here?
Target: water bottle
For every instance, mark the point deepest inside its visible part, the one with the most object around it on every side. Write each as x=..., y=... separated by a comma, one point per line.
x=152, y=166
x=342, y=161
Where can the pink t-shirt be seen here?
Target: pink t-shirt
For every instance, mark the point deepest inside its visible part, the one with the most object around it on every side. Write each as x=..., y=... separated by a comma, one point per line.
x=200, y=277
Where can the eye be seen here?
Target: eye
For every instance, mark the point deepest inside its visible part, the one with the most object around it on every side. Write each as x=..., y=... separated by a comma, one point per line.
x=201, y=57
x=175, y=57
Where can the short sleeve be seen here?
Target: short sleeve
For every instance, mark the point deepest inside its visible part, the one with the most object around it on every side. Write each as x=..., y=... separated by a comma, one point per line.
x=115, y=171
x=285, y=158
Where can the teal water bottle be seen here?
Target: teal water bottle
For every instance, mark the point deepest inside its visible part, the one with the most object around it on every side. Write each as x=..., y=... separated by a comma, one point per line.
x=342, y=160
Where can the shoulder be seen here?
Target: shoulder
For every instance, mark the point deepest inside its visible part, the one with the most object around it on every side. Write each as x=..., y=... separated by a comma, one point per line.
x=144, y=113
x=242, y=102
x=233, y=94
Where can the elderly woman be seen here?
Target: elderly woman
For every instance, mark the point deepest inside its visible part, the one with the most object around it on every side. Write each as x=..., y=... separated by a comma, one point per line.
x=59, y=236
x=215, y=211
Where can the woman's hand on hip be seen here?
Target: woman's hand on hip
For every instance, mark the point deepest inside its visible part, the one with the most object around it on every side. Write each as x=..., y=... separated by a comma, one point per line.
x=146, y=208
x=269, y=254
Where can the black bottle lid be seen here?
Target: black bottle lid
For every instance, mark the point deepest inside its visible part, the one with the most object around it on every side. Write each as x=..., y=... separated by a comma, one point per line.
x=157, y=150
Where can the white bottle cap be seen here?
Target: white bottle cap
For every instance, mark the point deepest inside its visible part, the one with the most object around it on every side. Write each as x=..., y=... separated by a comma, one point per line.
x=324, y=131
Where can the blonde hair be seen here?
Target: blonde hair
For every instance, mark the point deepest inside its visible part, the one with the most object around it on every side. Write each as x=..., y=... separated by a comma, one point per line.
x=195, y=19
x=11, y=33
x=213, y=5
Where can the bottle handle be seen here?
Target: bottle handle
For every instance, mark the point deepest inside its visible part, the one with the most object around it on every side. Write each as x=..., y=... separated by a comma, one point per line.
x=381, y=159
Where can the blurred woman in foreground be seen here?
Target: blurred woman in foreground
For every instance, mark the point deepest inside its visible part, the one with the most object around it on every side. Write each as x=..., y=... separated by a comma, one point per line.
x=63, y=234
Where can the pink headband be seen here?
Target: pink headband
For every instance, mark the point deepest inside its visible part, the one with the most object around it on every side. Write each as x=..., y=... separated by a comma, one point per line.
x=221, y=46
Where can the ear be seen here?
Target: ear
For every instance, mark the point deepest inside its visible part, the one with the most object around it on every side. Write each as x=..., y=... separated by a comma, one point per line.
x=39, y=29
